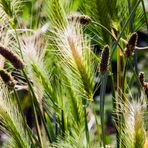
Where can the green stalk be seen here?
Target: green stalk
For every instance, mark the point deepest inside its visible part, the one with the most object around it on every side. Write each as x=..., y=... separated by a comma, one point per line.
x=86, y=126
x=113, y=91
x=104, y=78
x=97, y=124
x=118, y=95
x=131, y=19
x=37, y=124
x=124, y=77
x=143, y=6
x=135, y=74
x=17, y=38
x=103, y=27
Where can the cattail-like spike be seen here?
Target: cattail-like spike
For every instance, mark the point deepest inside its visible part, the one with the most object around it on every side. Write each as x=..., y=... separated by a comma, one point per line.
x=82, y=19
x=104, y=59
x=7, y=78
x=130, y=47
x=141, y=78
x=132, y=41
x=143, y=83
x=13, y=58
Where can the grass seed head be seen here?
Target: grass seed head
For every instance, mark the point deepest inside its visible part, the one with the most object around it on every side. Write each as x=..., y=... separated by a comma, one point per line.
x=7, y=78
x=104, y=59
x=10, y=56
x=82, y=19
x=132, y=42
x=143, y=83
x=141, y=78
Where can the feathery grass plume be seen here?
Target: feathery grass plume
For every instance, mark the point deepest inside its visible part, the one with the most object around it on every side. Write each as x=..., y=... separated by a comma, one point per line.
x=132, y=128
x=104, y=59
x=56, y=13
x=13, y=58
x=74, y=50
x=82, y=19
x=74, y=140
x=11, y=121
x=7, y=78
x=11, y=7
x=33, y=48
x=9, y=11
x=130, y=47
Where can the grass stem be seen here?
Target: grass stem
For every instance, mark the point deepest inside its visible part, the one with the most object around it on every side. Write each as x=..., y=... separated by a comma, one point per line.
x=102, y=103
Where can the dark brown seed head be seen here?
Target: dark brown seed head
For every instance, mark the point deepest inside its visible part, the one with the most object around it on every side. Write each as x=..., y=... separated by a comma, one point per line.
x=132, y=42
x=141, y=78
x=7, y=78
x=104, y=59
x=82, y=19
x=13, y=58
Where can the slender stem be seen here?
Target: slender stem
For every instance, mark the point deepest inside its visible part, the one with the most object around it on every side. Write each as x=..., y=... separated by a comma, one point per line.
x=37, y=125
x=135, y=74
x=104, y=78
x=97, y=124
x=118, y=95
x=113, y=92
x=124, y=76
x=132, y=18
x=143, y=6
x=86, y=125
x=96, y=23
x=19, y=45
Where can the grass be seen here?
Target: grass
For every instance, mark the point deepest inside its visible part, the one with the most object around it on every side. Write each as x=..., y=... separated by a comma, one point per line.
x=50, y=68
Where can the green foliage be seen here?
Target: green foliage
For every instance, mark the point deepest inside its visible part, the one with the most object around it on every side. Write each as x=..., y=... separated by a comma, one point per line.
x=62, y=73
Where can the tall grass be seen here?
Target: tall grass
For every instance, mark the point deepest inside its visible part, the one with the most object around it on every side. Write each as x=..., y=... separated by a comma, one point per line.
x=50, y=69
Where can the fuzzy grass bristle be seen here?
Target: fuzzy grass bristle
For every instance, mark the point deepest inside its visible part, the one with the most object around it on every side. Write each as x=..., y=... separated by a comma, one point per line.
x=13, y=58
x=104, y=59
x=133, y=133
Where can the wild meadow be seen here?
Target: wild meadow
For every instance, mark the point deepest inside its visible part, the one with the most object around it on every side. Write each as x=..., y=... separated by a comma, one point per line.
x=73, y=74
